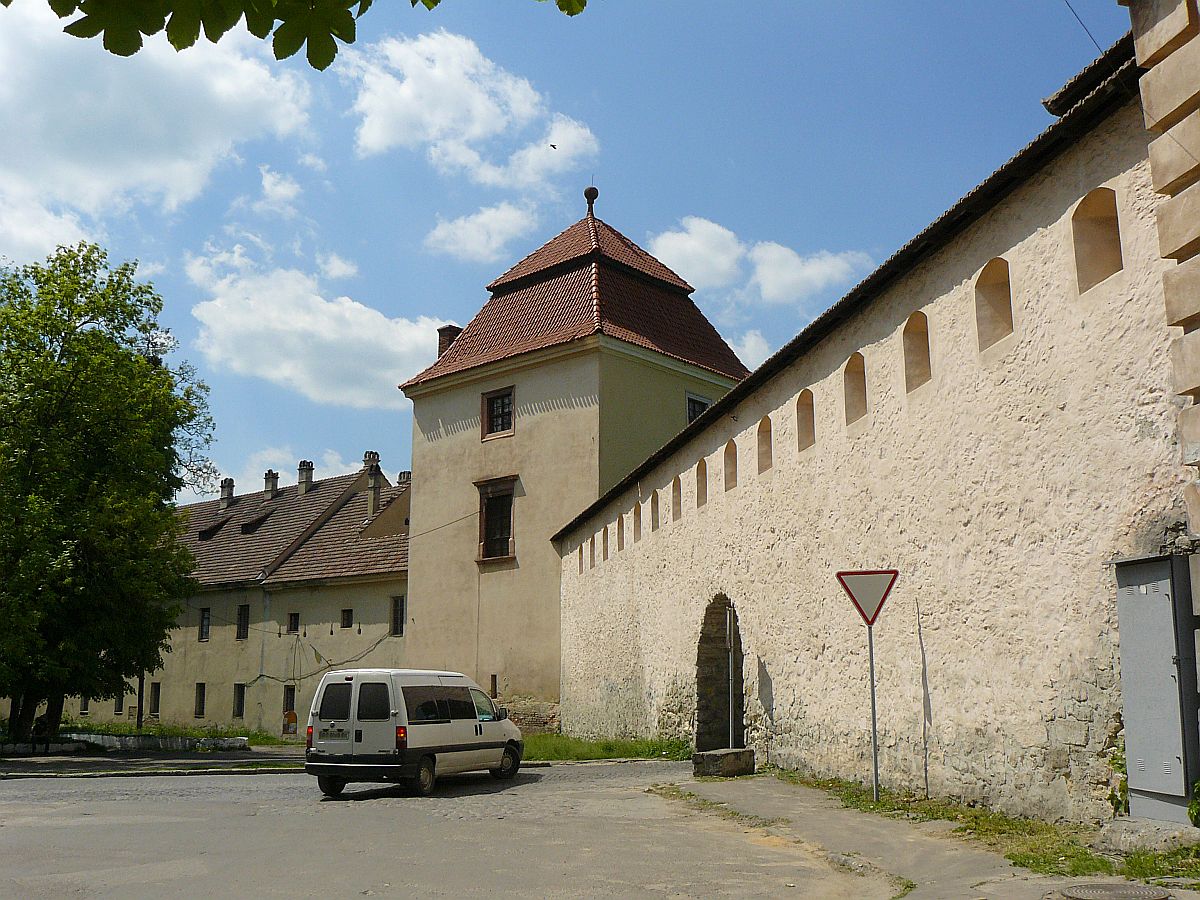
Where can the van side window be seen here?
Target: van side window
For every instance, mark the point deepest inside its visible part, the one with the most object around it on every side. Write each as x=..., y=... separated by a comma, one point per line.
x=335, y=702
x=461, y=706
x=483, y=706
x=425, y=705
x=374, y=703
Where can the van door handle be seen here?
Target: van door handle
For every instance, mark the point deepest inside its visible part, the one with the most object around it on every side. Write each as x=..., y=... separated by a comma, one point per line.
x=358, y=735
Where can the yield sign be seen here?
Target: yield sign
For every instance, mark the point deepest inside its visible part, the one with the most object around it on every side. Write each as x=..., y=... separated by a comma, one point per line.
x=868, y=589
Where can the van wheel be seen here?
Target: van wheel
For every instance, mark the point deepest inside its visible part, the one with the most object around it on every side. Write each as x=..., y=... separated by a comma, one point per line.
x=509, y=764
x=422, y=785
x=330, y=786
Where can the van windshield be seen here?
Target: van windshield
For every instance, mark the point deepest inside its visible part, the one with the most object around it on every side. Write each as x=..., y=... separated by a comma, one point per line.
x=335, y=702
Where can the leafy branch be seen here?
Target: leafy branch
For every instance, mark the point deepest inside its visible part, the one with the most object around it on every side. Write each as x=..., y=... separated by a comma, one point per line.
x=316, y=25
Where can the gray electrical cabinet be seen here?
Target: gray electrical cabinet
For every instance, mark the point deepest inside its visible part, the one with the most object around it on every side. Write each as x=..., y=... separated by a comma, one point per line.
x=1158, y=685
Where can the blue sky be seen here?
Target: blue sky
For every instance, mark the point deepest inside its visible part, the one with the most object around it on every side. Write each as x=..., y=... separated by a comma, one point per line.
x=309, y=231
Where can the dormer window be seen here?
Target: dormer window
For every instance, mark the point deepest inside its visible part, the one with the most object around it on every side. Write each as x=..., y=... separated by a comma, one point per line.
x=497, y=413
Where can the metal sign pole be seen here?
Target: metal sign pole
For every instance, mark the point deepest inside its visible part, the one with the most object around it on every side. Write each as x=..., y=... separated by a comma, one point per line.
x=874, y=727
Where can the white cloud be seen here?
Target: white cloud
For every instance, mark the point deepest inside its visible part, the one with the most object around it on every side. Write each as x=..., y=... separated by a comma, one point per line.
x=482, y=236
x=276, y=325
x=438, y=92
x=104, y=133
x=781, y=275
x=30, y=231
x=312, y=161
x=279, y=192
x=333, y=266
x=752, y=348
x=710, y=257
x=706, y=254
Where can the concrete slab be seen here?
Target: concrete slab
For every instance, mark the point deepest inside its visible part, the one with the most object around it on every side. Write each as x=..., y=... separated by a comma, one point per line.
x=725, y=763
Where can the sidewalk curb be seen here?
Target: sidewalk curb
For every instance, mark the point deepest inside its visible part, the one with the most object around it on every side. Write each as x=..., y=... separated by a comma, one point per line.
x=280, y=770
x=147, y=773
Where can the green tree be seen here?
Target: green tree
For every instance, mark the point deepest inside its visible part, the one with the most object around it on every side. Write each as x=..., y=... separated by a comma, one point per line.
x=97, y=434
x=290, y=24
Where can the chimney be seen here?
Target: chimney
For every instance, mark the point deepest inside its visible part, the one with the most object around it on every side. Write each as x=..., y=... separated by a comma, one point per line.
x=226, y=492
x=446, y=336
x=404, y=477
x=270, y=484
x=373, y=479
x=304, y=477
x=371, y=459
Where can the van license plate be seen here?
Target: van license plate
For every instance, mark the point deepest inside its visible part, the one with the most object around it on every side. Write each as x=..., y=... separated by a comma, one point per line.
x=333, y=734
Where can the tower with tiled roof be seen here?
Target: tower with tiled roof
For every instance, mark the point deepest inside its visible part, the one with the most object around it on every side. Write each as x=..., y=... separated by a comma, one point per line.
x=588, y=356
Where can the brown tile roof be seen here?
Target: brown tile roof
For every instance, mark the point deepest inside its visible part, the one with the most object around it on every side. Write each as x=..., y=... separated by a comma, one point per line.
x=338, y=550
x=586, y=237
x=235, y=545
x=589, y=280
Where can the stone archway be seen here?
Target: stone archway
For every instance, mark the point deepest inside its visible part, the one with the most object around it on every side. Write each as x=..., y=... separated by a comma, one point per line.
x=719, y=679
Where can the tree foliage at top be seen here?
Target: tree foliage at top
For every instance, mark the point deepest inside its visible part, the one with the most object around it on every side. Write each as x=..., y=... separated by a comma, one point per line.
x=97, y=433
x=316, y=25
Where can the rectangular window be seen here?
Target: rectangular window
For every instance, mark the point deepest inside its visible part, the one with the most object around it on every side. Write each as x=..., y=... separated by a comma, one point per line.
x=84, y=704
x=696, y=406
x=497, y=413
x=155, y=697
x=496, y=518
x=119, y=705
x=294, y=623
x=205, y=624
x=239, y=701
x=374, y=702
x=335, y=702
x=426, y=704
x=347, y=618
x=243, y=621
x=199, y=713
x=460, y=703
x=399, y=614
x=289, y=698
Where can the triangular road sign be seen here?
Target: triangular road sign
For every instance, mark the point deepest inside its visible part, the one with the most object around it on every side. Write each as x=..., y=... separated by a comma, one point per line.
x=868, y=589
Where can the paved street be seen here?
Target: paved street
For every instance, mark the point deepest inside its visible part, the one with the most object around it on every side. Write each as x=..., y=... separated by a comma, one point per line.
x=572, y=830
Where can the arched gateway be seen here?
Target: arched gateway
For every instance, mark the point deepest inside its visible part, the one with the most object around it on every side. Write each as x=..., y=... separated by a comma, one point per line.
x=719, y=702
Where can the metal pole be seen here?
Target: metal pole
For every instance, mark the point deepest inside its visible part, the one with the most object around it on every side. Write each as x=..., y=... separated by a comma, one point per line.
x=729, y=654
x=874, y=728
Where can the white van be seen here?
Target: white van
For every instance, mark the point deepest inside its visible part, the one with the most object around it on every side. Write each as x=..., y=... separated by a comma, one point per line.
x=407, y=726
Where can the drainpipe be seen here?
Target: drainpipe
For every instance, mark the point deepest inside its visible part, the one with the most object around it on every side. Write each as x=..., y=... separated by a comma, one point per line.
x=729, y=652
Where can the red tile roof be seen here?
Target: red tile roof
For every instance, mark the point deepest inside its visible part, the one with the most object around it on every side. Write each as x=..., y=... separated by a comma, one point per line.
x=589, y=236
x=236, y=544
x=588, y=280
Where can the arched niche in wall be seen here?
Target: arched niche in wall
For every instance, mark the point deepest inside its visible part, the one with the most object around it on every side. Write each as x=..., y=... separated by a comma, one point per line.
x=806, y=420
x=766, y=451
x=917, y=367
x=1096, y=234
x=676, y=499
x=604, y=544
x=637, y=521
x=993, y=303
x=620, y=532
x=654, y=520
x=730, y=465
x=854, y=383
x=701, y=483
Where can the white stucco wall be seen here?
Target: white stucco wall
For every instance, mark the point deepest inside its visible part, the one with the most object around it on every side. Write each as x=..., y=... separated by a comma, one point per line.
x=998, y=490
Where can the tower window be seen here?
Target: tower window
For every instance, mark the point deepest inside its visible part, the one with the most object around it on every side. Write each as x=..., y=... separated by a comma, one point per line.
x=497, y=413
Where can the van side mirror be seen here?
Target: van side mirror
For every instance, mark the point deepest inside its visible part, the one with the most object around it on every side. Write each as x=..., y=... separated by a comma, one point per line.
x=502, y=713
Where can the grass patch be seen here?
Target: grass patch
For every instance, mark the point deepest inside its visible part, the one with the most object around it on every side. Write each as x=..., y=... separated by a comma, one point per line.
x=560, y=746
x=1035, y=845
x=256, y=738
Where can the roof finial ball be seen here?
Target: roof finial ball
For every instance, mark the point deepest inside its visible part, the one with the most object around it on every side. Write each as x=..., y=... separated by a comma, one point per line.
x=590, y=194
